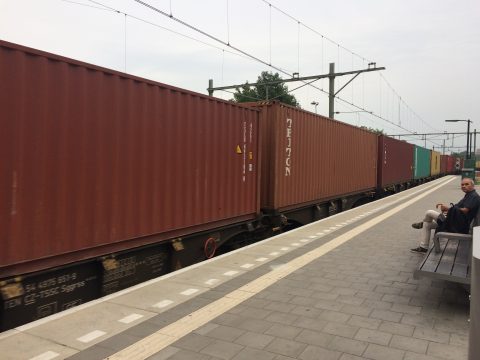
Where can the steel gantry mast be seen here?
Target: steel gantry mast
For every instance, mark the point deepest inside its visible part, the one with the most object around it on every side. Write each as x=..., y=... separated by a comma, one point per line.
x=331, y=88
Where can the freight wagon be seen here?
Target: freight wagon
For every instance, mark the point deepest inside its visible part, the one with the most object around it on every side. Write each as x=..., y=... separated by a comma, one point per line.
x=421, y=164
x=308, y=171
x=108, y=179
x=447, y=165
x=395, y=165
x=434, y=164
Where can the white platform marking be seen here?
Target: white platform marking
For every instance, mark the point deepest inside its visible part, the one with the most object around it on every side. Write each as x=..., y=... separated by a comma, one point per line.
x=91, y=336
x=285, y=248
x=211, y=281
x=230, y=273
x=163, y=303
x=46, y=356
x=260, y=259
x=296, y=244
x=189, y=292
x=130, y=318
x=275, y=253
x=313, y=237
x=247, y=266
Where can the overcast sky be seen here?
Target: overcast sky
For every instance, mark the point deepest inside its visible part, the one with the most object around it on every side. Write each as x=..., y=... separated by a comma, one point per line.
x=430, y=48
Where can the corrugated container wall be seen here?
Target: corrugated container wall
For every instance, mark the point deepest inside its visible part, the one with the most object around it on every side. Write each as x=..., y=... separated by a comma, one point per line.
x=450, y=164
x=307, y=158
x=443, y=164
x=395, y=161
x=421, y=162
x=92, y=157
x=435, y=163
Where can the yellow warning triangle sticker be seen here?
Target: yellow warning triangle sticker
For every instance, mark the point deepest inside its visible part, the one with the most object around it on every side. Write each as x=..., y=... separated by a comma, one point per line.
x=239, y=151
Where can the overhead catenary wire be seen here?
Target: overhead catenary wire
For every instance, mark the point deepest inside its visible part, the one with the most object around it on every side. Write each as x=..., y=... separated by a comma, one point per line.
x=153, y=8
x=244, y=54
x=285, y=13
x=107, y=8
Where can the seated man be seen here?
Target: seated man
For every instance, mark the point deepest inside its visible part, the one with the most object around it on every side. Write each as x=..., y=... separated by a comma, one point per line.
x=469, y=206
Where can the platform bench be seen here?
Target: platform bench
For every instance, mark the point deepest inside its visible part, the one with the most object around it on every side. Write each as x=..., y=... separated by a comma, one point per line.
x=449, y=259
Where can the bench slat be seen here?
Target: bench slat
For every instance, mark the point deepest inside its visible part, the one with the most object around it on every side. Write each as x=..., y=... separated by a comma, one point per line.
x=461, y=270
x=464, y=253
x=448, y=259
x=432, y=258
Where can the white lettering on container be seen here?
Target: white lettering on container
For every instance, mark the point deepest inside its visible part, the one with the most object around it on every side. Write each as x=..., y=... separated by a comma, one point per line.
x=288, y=149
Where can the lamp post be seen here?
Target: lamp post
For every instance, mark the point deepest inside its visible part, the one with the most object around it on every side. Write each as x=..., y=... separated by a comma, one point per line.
x=315, y=103
x=468, y=121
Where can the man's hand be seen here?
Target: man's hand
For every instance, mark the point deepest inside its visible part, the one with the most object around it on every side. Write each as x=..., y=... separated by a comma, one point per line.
x=442, y=207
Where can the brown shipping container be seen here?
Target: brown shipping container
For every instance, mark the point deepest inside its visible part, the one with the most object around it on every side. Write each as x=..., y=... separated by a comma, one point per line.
x=450, y=164
x=395, y=161
x=443, y=164
x=95, y=161
x=307, y=158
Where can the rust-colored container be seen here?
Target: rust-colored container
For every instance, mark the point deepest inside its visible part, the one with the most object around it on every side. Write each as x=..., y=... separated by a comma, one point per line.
x=435, y=163
x=307, y=158
x=450, y=164
x=443, y=164
x=395, y=161
x=95, y=161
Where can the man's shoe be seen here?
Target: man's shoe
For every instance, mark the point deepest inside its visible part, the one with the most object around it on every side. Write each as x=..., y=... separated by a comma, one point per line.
x=418, y=225
x=419, y=250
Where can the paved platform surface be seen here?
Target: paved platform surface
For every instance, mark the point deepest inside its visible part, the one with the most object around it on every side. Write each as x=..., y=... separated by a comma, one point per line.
x=341, y=288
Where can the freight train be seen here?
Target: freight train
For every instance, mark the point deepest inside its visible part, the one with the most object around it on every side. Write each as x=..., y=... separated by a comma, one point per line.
x=108, y=179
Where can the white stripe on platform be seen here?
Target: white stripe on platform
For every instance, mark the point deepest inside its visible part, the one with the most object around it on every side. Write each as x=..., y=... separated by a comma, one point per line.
x=163, y=303
x=130, y=318
x=260, y=259
x=247, y=266
x=189, y=292
x=49, y=355
x=91, y=336
x=211, y=281
x=230, y=273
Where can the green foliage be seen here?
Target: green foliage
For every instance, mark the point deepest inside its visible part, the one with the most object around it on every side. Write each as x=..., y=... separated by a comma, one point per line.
x=376, y=131
x=259, y=92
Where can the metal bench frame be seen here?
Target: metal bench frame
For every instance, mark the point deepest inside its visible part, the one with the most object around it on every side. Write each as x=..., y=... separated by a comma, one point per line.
x=450, y=257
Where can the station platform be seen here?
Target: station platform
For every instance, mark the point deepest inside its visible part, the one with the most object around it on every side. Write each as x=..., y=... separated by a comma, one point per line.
x=341, y=288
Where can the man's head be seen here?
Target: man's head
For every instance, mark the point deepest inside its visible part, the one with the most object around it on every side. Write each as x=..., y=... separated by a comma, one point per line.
x=467, y=185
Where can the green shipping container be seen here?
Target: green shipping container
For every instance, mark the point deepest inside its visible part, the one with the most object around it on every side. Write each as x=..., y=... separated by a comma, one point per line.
x=421, y=162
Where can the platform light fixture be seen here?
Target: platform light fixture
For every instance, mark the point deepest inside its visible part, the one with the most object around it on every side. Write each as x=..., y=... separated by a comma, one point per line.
x=315, y=103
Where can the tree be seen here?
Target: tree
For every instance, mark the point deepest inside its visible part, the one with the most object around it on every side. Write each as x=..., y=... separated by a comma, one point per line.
x=259, y=92
x=376, y=131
